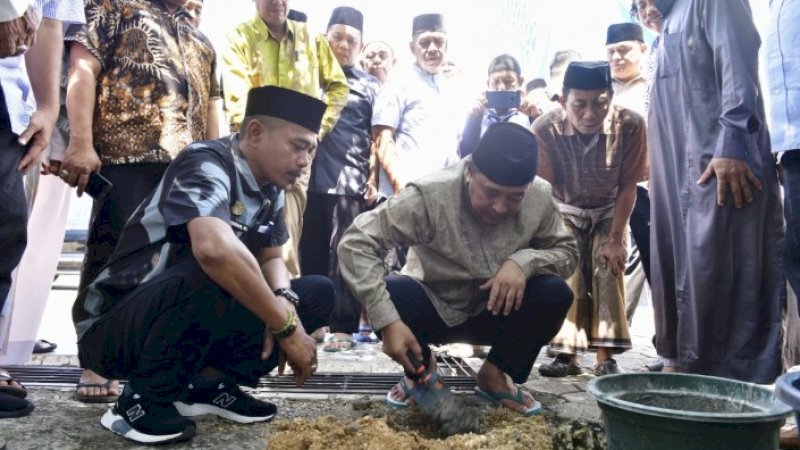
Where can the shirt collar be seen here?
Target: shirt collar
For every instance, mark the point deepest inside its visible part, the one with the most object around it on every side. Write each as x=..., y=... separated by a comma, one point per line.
x=423, y=74
x=263, y=32
x=637, y=79
x=243, y=167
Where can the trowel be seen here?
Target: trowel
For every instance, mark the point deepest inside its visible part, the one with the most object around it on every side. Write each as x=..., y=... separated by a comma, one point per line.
x=449, y=413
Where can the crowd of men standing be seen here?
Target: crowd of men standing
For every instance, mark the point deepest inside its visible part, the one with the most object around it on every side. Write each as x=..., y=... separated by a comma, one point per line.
x=352, y=195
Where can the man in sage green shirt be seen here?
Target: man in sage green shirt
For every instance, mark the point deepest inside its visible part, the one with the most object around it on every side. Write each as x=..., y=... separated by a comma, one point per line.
x=488, y=253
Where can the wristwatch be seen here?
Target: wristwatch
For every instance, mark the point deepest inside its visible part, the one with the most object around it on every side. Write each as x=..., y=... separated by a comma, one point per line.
x=289, y=295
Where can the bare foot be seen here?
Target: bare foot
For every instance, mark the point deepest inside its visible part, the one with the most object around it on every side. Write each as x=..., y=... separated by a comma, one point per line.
x=6, y=380
x=88, y=376
x=341, y=342
x=397, y=394
x=319, y=334
x=492, y=379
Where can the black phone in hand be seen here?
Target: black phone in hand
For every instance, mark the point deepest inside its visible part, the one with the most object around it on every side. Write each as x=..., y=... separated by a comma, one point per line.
x=503, y=100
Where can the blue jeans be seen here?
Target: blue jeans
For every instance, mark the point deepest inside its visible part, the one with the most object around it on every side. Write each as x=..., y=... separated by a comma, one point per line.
x=790, y=167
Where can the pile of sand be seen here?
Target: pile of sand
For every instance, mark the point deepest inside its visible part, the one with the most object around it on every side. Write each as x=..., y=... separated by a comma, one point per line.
x=408, y=430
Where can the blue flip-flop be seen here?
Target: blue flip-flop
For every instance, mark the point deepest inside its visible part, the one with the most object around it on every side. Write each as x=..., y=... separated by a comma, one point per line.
x=495, y=399
x=406, y=391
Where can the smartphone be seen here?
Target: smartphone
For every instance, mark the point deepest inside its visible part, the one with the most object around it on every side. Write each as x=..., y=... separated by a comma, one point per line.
x=503, y=99
x=98, y=186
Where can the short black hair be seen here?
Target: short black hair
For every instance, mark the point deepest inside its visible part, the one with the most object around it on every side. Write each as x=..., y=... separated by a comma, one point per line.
x=536, y=83
x=561, y=60
x=505, y=62
x=634, y=11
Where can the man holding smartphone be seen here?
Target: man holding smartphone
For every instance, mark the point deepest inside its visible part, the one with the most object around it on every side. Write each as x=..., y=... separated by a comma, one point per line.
x=500, y=103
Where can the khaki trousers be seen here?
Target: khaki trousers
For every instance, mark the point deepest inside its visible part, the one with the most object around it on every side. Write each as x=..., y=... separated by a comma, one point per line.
x=296, y=200
x=597, y=316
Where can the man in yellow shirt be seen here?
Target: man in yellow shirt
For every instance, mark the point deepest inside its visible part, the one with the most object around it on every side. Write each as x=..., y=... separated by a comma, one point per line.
x=270, y=50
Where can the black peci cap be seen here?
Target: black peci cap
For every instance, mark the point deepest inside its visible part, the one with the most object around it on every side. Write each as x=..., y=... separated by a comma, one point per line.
x=345, y=15
x=507, y=154
x=587, y=75
x=297, y=16
x=620, y=32
x=286, y=104
x=428, y=22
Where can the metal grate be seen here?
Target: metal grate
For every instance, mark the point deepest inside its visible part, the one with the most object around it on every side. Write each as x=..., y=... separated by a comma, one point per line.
x=457, y=374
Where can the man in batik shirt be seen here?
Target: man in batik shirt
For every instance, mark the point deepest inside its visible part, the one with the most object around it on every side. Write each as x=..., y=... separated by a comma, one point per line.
x=139, y=89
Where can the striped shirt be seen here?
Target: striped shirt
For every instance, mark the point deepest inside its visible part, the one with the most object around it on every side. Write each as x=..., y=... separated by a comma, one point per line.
x=588, y=175
x=207, y=179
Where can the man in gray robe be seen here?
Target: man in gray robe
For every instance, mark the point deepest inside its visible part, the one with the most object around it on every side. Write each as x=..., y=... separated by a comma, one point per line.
x=717, y=231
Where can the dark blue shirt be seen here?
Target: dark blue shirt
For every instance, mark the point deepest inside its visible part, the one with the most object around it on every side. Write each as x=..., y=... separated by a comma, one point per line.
x=341, y=165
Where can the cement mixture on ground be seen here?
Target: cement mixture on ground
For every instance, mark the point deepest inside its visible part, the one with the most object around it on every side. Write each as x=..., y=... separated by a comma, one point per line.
x=408, y=430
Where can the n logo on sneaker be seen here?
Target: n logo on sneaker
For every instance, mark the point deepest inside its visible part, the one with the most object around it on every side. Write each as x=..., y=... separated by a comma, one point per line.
x=135, y=413
x=224, y=400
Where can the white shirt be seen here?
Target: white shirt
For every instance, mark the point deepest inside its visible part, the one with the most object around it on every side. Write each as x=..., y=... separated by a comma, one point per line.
x=12, y=9
x=13, y=77
x=419, y=107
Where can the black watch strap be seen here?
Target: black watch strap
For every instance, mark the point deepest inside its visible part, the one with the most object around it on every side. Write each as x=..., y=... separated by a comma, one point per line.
x=288, y=294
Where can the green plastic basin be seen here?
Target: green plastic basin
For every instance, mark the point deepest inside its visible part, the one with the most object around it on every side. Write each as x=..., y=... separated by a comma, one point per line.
x=663, y=411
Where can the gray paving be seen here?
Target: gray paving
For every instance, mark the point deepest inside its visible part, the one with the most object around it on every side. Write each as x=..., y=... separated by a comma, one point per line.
x=60, y=422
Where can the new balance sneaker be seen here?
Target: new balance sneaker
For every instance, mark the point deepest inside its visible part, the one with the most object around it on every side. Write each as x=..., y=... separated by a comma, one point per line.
x=145, y=421
x=227, y=401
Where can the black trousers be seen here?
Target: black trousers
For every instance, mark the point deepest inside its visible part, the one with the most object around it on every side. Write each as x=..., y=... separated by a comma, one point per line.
x=13, y=207
x=515, y=339
x=640, y=227
x=326, y=219
x=163, y=333
x=790, y=168
x=132, y=184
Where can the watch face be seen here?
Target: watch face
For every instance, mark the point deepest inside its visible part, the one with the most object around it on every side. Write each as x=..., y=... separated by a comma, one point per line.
x=289, y=294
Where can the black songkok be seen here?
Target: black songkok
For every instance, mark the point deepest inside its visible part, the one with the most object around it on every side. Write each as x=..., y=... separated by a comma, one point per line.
x=428, y=22
x=507, y=154
x=345, y=15
x=620, y=32
x=297, y=16
x=285, y=104
x=587, y=75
